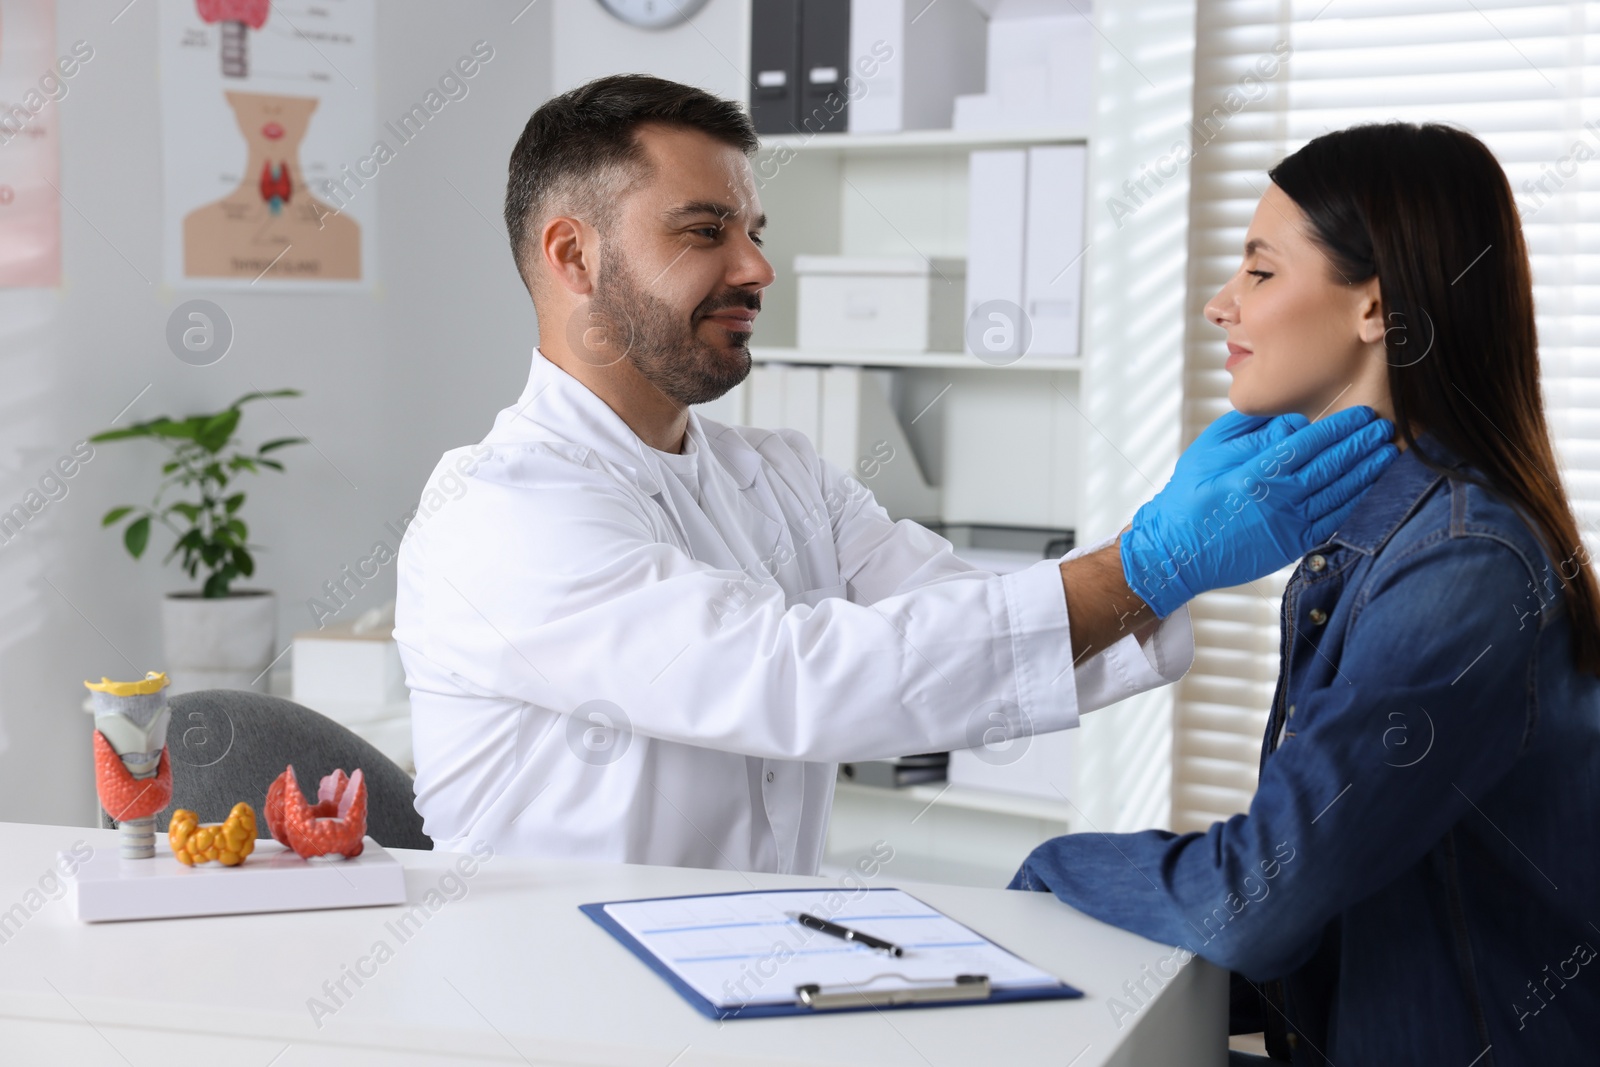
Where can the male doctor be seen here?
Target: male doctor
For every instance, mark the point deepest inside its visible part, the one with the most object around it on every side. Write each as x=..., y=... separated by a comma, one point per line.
x=635, y=634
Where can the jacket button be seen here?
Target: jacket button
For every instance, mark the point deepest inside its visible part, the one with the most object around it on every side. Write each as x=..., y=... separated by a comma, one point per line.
x=1317, y=563
x=1293, y=1039
x=1318, y=616
x=770, y=776
x=1291, y=711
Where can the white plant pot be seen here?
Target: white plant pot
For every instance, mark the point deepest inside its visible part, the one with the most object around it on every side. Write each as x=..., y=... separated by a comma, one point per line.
x=219, y=642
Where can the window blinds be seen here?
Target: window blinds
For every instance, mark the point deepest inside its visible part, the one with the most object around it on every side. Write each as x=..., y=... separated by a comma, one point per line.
x=1522, y=76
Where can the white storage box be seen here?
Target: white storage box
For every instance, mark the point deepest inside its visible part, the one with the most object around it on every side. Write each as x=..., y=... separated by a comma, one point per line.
x=881, y=303
x=1041, y=59
x=909, y=60
x=338, y=665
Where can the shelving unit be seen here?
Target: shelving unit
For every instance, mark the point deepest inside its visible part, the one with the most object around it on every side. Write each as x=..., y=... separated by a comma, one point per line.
x=1003, y=442
x=970, y=799
x=913, y=142
x=955, y=361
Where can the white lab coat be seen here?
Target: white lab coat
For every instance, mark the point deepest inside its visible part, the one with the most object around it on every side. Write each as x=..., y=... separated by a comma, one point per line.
x=740, y=645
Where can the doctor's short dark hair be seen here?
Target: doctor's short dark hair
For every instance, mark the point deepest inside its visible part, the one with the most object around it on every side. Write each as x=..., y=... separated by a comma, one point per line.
x=579, y=152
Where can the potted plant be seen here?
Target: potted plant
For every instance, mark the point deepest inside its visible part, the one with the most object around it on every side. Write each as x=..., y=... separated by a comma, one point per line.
x=218, y=637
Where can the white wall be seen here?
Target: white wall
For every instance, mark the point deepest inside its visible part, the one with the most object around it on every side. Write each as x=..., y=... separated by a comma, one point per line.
x=392, y=379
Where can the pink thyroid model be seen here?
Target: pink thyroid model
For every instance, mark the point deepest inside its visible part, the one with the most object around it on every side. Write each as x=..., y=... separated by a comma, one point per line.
x=335, y=825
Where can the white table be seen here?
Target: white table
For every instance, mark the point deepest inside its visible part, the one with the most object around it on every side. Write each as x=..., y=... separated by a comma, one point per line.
x=511, y=972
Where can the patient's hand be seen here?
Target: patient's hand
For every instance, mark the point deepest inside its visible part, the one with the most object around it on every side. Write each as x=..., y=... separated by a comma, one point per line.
x=1249, y=496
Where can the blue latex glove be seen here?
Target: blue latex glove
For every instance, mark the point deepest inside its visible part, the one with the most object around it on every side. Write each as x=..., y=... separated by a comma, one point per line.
x=1250, y=496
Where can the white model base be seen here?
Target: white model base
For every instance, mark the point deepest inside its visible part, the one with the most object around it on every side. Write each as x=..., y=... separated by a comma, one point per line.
x=109, y=888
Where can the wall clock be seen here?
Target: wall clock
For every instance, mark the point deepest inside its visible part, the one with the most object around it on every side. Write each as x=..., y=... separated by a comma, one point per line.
x=653, y=14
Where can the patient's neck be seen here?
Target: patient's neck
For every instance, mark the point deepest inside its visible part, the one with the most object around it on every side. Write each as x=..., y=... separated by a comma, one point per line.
x=1370, y=389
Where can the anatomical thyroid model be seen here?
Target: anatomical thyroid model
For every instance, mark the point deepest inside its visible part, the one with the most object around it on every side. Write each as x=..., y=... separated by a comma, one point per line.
x=132, y=772
x=333, y=826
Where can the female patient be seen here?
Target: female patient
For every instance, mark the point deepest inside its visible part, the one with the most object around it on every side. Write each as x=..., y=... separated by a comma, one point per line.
x=1416, y=879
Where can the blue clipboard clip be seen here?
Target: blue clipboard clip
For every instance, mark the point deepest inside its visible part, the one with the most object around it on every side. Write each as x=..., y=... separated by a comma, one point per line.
x=965, y=987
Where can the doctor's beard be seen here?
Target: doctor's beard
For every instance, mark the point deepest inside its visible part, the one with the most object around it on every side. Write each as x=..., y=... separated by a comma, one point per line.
x=665, y=349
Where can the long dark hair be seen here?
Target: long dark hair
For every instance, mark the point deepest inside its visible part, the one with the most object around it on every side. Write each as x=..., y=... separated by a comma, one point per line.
x=1427, y=209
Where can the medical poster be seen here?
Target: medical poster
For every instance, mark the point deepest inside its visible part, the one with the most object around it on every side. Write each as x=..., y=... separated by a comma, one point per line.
x=32, y=87
x=265, y=106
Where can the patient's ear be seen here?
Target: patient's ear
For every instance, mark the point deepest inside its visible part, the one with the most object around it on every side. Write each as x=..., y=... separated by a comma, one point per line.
x=1370, y=324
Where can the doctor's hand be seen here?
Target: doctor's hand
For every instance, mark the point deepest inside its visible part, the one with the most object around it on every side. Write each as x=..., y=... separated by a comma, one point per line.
x=1249, y=496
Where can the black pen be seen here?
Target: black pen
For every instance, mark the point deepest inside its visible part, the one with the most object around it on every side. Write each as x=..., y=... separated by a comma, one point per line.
x=844, y=933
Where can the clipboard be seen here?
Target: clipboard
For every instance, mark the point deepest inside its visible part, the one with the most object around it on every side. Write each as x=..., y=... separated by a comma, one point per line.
x=791, y=990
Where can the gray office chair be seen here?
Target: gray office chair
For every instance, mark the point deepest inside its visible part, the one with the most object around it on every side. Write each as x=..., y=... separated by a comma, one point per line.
x=227, y=745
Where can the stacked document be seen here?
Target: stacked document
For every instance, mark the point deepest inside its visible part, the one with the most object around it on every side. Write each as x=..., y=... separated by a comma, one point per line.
x=731, y=953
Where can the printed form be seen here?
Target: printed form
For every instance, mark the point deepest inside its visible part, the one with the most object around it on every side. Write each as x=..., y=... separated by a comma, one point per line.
x=742, y=949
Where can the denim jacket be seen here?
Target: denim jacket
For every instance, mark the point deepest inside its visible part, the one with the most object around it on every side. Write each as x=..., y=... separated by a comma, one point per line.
x=1417, y=880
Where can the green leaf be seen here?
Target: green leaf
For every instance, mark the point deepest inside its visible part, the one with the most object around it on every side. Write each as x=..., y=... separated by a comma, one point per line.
x=187, y=545
x=137, y=536
x=258, y=395
x=280, y=442
x=274, y=464
x=237, y=528
x=243, y=561
x=192, y=512
x=217, y=584
x=114, y=514
x=233, y=502
x=216, y=430
x=186, y=429
x=168, y=468
x=122, y=434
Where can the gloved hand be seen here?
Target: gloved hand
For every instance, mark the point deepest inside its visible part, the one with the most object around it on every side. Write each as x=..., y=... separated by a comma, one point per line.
x=1248, y=497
